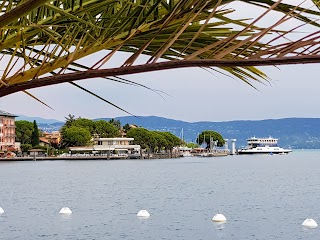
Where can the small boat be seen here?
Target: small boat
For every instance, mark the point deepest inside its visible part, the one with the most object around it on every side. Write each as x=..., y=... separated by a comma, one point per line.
x=185, y=151
x=263, y=146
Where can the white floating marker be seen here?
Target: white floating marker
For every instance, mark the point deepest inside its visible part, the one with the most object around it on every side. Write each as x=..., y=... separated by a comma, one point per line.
x=219, y=218
x=65, y=210
x=1, y=210
x=310, y=223
x=143, y=214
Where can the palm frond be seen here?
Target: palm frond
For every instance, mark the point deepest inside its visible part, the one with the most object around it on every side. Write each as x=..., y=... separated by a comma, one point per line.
x=42, y=41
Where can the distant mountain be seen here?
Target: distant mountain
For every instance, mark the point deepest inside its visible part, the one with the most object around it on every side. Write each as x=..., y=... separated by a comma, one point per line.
x=38, y=119
x=46, y=125
x=292, y=132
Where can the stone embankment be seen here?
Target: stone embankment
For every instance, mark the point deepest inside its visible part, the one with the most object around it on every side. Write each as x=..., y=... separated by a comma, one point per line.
x=111, y=157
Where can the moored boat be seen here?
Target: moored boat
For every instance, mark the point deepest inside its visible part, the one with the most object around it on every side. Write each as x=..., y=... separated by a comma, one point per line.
x=263, y=146
x=185, y=151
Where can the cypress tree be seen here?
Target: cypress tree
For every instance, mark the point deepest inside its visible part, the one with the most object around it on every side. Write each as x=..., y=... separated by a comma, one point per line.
x=35, y=134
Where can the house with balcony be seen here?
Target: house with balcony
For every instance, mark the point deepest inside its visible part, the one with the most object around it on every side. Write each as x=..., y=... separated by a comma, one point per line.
x=53, y=137
x=7, y=131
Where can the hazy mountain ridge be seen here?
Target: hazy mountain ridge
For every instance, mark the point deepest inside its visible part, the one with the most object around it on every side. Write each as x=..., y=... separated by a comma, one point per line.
x=38, y=119
x=292, y=132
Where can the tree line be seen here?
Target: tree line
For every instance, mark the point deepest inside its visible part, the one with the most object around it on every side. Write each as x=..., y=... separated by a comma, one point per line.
x=81, y=132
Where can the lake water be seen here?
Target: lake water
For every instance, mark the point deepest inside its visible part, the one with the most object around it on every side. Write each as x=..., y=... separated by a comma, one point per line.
x=263, y=197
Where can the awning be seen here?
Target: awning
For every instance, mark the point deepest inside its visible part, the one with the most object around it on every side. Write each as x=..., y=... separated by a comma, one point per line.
x=103, y=148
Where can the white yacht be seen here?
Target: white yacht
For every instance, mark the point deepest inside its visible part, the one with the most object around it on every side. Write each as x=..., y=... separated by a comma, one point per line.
x=263, y=145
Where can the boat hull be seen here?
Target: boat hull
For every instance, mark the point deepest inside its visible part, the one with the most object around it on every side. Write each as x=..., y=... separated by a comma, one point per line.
x=284, y=151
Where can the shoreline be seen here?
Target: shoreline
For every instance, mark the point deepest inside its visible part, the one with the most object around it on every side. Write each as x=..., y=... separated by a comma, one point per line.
x=111, y=157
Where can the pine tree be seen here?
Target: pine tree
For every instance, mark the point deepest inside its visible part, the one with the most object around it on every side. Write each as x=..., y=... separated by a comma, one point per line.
x=35, y=134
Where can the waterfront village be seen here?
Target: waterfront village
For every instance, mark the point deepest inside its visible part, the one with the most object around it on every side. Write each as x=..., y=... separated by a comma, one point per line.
x=87, y=139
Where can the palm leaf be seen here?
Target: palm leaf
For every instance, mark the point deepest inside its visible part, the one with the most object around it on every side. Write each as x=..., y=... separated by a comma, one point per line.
x=41, y=41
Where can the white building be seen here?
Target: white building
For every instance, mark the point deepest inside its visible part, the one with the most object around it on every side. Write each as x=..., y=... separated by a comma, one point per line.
x=110, y=145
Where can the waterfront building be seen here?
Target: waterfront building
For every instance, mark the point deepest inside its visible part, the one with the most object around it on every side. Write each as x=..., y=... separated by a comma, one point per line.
x=53, y=137
x=7, y=131
x=50, y=139
x=44, y=141
x=110, y=145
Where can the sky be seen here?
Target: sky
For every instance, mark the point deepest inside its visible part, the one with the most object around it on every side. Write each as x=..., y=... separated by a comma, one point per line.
x=190, y=94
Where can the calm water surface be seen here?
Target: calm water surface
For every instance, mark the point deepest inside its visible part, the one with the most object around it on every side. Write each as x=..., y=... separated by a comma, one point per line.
x=263, y=197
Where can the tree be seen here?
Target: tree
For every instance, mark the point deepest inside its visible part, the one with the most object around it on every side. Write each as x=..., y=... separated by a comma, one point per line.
x=69, y=120
x=153, y=139
x=35, y=135
x=161, y=141
x=115, y=123
x=43, y=40
x=76, y=136
x=192, y=145
x=205, y=136
x=105, y=129
x=25, y=147
x=141, y=137
x=85, y=123
x=24, y=131
x=80, y=122
x=172, y=140
x=126, y=127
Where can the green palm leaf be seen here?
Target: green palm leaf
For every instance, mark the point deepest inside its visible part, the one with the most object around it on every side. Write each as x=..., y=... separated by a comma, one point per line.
x=42, y=41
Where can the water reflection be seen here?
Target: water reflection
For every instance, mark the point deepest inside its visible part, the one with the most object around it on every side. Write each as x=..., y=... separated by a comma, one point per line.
x=66, y=216
x=219, y=225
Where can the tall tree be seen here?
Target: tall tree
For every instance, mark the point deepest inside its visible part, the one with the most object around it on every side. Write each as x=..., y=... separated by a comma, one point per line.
x=24, y=130
x=105, y=129
x=142, y=137
x=69, y=120
x=207, y=135
x=35, y=134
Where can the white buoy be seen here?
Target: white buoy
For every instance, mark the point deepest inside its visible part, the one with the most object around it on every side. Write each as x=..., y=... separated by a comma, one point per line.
x=1, y=210
x=65, y=210
x=310, y=223
x=219, y=218
x=143, y=214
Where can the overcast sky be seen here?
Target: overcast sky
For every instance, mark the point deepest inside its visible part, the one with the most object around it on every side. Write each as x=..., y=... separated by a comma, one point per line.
x=193, y=95
x=189, y=94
